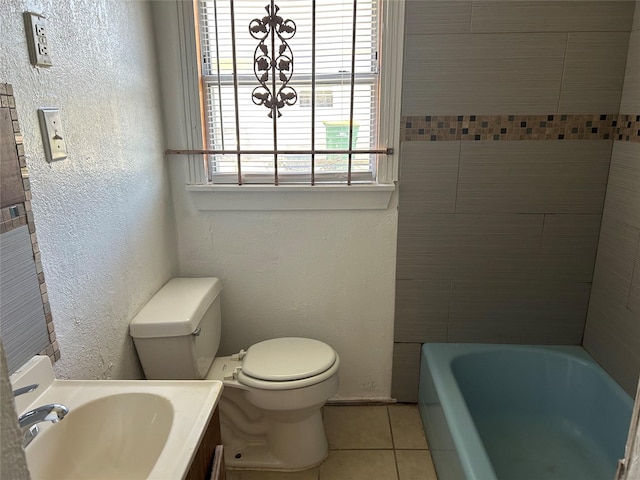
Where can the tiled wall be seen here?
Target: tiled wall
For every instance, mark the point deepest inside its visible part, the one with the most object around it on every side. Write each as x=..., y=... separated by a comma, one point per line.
x=612, y=332
x=20, y=215
x=509, y=111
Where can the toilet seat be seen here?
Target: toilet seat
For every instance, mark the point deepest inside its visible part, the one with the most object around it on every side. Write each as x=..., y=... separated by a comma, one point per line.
x=287, y=363
x=286, y=359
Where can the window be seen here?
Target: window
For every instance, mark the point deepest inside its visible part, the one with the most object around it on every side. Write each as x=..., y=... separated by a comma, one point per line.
x=297, y=103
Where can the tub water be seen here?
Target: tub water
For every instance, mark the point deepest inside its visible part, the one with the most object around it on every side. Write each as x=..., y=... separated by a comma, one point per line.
x=510, y=412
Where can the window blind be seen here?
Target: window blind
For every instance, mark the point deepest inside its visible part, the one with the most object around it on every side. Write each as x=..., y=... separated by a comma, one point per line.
x=290, y=90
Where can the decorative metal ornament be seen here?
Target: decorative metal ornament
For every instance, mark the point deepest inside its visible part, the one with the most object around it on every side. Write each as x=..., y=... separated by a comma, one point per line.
x=273, y=64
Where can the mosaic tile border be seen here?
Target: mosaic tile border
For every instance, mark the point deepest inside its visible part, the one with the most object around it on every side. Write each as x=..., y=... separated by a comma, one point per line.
x=432, y=128
x=21, y=214
x=628, y=128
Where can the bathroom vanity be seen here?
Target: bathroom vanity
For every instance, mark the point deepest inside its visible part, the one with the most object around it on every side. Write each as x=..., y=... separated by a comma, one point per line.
x=136, y=429
x=209, y=460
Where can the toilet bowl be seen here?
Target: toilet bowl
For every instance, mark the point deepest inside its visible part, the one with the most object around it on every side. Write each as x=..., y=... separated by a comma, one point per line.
x=270, y=410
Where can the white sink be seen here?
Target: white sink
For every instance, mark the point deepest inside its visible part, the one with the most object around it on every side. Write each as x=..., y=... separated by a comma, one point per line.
x=115, y=429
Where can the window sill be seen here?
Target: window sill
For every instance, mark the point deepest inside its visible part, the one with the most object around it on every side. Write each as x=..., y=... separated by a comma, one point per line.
x=291, y=197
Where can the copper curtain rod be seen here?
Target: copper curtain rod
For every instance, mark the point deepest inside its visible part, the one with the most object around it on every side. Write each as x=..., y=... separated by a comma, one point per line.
x=384, y=151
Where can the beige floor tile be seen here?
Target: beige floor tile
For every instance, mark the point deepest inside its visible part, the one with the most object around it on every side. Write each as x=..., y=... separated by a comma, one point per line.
x=406, y=426
x=350, y=427
x=311, y=474
x=415, y=465
x=359, y=465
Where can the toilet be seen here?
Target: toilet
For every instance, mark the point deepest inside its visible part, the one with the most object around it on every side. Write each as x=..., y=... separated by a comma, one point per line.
x=270, y=410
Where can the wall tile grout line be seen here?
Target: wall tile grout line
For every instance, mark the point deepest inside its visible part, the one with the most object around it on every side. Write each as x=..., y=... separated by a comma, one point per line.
x=564, y=70
x=455, y=201
x=449, y=309
x=633, y=273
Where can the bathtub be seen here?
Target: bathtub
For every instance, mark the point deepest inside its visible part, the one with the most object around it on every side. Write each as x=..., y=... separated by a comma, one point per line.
x=510, y=412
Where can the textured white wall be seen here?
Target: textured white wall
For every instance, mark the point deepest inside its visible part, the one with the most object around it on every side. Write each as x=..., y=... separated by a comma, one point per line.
x=328, y=275
x=103, y=216
x=12, y=462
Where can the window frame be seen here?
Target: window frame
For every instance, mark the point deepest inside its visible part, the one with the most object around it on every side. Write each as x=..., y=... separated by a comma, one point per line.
x=209, y=196
x=257, y=169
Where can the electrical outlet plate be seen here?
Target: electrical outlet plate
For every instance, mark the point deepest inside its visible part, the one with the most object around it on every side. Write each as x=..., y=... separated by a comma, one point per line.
x=55, y=147
x=36, y=29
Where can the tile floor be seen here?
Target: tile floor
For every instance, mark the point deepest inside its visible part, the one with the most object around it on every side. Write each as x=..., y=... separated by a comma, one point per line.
x=366, y=443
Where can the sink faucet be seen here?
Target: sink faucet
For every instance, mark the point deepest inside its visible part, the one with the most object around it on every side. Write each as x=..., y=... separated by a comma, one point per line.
x=28, y=421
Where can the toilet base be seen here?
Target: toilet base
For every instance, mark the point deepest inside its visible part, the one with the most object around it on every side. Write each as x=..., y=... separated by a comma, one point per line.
x=268, y=440
x=258, y=457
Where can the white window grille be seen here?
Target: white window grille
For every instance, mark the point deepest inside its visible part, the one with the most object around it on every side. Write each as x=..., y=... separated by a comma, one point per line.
x=290, y=90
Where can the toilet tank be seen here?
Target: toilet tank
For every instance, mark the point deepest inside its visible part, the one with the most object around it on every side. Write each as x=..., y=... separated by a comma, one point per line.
x=177, y=333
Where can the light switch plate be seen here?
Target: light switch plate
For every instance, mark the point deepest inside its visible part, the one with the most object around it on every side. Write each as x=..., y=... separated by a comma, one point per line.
x=36, y=30
x=55, y=146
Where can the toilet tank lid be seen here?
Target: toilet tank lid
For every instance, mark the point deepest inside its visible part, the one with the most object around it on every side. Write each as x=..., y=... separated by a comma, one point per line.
x=176, y=309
